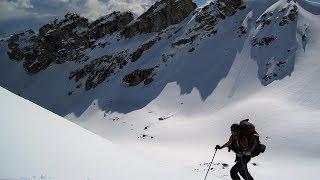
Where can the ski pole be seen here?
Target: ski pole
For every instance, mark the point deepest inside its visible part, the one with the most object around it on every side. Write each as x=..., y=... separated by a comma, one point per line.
x=210, y=164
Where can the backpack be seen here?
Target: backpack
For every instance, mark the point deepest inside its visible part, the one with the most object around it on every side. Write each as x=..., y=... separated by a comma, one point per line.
x=248, y=131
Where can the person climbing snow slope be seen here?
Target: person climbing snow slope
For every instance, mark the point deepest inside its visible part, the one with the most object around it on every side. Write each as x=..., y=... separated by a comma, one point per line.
x=244, y=141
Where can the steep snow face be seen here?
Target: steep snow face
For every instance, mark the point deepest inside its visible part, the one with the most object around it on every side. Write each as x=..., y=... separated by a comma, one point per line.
x=275, y=42
x=37, y=144
x=177, y=91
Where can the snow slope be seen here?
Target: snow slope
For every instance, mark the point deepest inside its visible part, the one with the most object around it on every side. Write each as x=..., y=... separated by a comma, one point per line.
x=37, y=144
x=188, y=109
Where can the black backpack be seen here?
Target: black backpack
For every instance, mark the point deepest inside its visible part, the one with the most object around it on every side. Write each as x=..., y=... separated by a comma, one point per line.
x=248, y=131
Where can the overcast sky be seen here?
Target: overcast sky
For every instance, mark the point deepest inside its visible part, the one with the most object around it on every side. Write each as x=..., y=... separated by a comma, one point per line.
x=20, y=14
x=17, y=15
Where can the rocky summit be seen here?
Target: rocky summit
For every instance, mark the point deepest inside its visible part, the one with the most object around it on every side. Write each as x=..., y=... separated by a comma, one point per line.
x=57, y=42
x=64, y=39
x=161, y=15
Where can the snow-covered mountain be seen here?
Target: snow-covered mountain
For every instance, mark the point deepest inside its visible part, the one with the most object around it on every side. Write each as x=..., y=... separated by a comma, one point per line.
x=77, y=61
x=173, y=80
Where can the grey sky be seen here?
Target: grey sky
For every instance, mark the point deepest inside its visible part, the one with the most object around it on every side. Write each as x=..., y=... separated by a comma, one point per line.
x=20, y=14
x=16, y=15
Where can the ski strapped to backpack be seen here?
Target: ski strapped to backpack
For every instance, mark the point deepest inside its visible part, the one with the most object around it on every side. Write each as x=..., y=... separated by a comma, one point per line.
x=247, y=130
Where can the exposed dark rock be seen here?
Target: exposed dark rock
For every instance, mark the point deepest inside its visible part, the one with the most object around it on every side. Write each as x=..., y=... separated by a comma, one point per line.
x=109, y=24
x=115, y=119
x=284, y=21
x=275, y=72
x=191, y=49
x=148, y=81
x=254, y=164
x=20, y=45
x=265, y=19
x=166, y=57
x=89, y=68
x=283, y=10
x=143, y=136
x=66, y=25
x=229, y=7
x=184, y=41
x=161, y=15
x=207, y=18
x=265, y=41
x=242, y=30
x=243, y=7
x=279, y=64
x=56, y=42
x=138, y=53
x=137, y=76
x=98, y=70
x=79, y=85
x=291, y=15
x=224, y=165
x=164, y=117
x=304, y=37
x=209, y=15
x=64, y=40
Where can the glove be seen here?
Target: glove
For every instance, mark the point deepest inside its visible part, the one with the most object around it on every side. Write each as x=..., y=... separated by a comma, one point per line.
x=218, y=147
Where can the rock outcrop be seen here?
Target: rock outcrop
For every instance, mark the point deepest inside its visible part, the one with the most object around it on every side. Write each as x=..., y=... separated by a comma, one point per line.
x=137, y=76
x=229, y=7
x=265, y=41
x=109, y=24
x=20, y=44
x=56, y=42
x=144, y=47
x=291, y=14
x=63, y=39
x=207, y=19
x=161, y=15
x=99, y=69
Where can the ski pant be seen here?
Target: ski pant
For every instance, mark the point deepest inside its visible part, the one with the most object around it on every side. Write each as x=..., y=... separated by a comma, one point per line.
x=241, y=168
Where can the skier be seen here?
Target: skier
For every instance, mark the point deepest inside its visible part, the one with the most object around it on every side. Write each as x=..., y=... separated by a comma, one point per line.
x=240, y=145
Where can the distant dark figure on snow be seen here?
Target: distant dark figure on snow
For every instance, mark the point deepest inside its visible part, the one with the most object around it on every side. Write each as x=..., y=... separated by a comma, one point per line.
x=244, y=141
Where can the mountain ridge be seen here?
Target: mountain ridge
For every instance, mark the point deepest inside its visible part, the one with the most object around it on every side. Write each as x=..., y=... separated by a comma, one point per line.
x=100, y=57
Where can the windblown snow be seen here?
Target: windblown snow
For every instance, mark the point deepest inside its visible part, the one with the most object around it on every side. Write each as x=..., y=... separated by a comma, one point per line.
x=261, y=63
